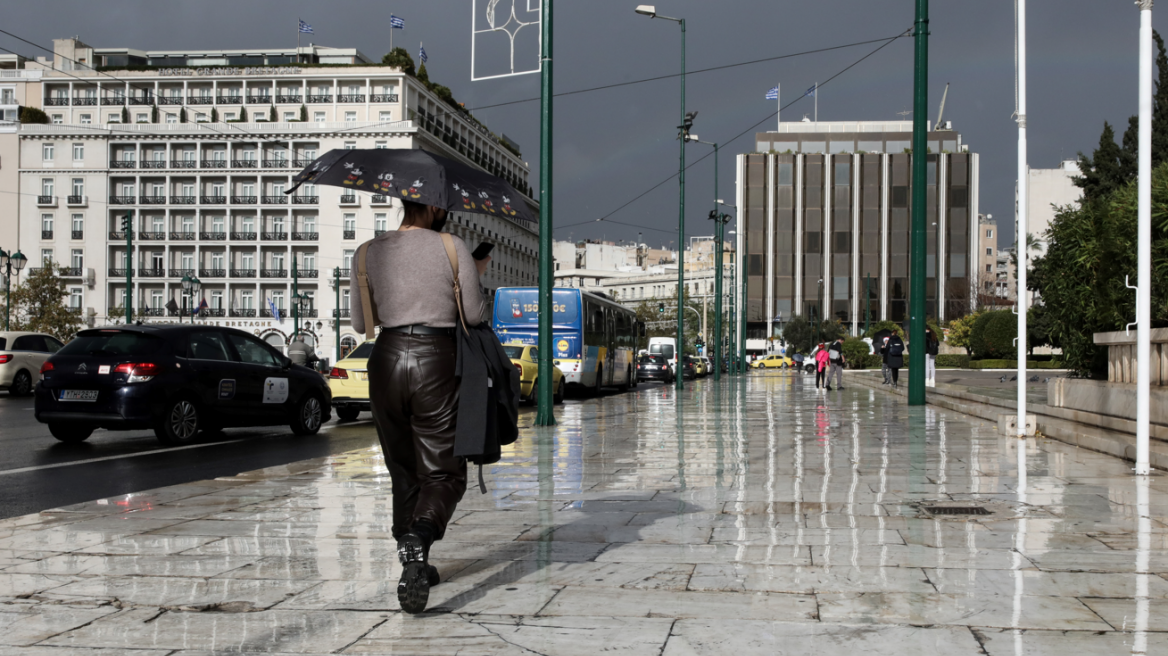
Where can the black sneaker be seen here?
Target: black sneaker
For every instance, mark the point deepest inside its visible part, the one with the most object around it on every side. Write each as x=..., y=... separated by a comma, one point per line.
x=413, y=590
x=829, y=388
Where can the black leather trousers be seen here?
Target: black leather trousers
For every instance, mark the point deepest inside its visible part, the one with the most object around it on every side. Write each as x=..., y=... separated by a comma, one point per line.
x=414, y=397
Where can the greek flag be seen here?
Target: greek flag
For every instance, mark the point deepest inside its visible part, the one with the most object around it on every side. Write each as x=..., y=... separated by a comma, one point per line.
x=274, y=309
x=396, y=23
x=811, y=91
x=773, y=94
x=422, y=54
x=305, y=28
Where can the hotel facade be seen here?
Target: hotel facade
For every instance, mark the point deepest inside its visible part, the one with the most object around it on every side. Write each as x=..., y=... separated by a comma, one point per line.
x=198, y=149
x=824, y=213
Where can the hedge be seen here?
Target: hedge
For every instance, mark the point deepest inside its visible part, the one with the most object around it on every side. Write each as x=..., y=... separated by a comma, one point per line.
x=953, y=360
x=993, y=335
x=857, y=356
x=1013, y=364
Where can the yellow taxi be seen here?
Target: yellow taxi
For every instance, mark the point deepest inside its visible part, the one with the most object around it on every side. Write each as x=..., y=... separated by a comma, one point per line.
x=349, y=382
x=771, y=362
x=525, y=357
x=700, y=367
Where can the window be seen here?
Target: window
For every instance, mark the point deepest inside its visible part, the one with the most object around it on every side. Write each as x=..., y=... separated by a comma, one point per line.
x=350, y=222
x=58, y=119
x=309, y=263
x=310, y=224
x=200, y=117
x=988, y=268
x=248, y=261
x=347, y=258
x=345, y=299
x=385, y=116
x=46, y=186
x=78, y=223
x=310, y=154
x=77, y=260
x=380, y=222
x=208, y=345
x=989, y=234
x=229, y=116
x=246, y=300
x=46, y=256
x=78, y=152
x=350, y=117
x=156, y=298
x=86, y=119
x=278, y=297
x=217, y=300
x=75, y=298
x=142, y=118
x=46, y=222
x=350, y=145
x=318, y=117
x=381, y=145
x=289, y=117
x=47, y=151
x=989, y=251
x=117, y=118
x=78, y=186
x=188, y=260
x=252, y=350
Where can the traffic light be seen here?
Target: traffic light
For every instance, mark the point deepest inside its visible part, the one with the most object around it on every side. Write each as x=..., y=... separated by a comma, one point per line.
x=126, y=223
x=713, y=215
x=687, y=124
x=661, y=307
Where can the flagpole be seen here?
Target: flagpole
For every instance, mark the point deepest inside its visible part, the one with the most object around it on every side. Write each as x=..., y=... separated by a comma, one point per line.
x=297, y=40
x=817, y=102
x=778, y=105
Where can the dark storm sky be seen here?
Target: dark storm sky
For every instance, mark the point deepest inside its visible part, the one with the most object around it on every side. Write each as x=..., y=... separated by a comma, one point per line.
x=612, y=145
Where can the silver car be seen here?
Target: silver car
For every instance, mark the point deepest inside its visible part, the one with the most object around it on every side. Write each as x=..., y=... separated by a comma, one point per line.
x=21, y=357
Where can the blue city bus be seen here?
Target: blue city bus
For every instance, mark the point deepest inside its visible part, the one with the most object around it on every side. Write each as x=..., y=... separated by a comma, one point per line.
x=595, y=339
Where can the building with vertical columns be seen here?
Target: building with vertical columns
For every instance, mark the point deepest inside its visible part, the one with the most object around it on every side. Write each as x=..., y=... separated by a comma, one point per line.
x=824, y=211
x=136, y=136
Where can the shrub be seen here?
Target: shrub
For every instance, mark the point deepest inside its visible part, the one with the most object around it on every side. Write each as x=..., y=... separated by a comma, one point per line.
x=886, y=325
x=953, y=360
x=856, y=354
x=993, y=335
x=33, y=115
x=959, y=330
x=1013, y=364
x=303, y=113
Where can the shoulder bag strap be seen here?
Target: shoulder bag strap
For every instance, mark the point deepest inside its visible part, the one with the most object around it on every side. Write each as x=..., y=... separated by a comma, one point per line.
x=367, y=307
x=448, y=242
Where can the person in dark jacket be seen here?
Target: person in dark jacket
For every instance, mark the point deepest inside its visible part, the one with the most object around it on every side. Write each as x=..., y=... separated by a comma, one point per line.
x=895, y=358
x=931, y=348
x=414, y=390
x=884, y=362
x=836, y=362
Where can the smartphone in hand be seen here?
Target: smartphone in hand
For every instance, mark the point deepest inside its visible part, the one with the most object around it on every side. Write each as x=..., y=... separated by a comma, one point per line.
x=482, y=251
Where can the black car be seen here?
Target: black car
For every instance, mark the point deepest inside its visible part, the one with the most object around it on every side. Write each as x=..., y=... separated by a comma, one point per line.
x=688, y=370
x=654, y=367
x=177, y=380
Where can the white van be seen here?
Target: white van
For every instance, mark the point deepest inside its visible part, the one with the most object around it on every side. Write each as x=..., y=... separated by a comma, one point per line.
x=666, y=347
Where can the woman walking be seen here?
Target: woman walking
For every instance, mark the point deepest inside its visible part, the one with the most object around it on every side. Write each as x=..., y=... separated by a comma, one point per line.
x=895, y=358
x=821, y=360
x=413, y=389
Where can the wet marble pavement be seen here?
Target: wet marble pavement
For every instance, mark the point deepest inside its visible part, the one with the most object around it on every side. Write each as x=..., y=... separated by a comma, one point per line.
x=757, y=516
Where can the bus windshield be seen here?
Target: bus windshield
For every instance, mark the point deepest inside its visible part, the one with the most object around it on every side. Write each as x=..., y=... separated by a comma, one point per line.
x=521, y=306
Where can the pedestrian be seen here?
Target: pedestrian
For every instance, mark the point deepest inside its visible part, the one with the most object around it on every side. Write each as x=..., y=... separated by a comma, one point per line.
x=798, y=358
x=301, y=353
x=414, y=392
x=836, y=362
x=895, y=358
x=820, y=366
x=884, y=362
x=931, y=347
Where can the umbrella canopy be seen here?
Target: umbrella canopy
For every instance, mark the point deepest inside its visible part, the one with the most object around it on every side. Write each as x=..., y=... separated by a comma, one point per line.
x=418, y=176
x=878, y=338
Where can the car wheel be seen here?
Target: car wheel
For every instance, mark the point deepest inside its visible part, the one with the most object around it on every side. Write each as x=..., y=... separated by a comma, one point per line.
x=559, y=397
x=347, y=414
x=179, y=423
x=783, y=366
x=21, y=384
x=309, y=415
x=71, y=433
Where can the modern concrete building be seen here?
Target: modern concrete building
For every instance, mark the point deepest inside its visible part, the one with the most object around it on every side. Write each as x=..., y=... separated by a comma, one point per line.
x=824, y=215
x=1049, y=189
x=207, y=198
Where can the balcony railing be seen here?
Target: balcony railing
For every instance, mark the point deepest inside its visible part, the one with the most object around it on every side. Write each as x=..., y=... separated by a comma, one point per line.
x=59, y=101
x=243, y=273
x=76, y=201
x=245, y=163
x=243, y=236
x=348, y=200
x=213, y=312
x=378, y=232
x=151, y=312
x=273, y=236
x=200, y=100
x=170, y=100
x=344, y=273
x=287, y=100
x=351, y=98
x=183, y=164
x=275, y=163
x=301, y=163
x=113, y=101
x=212, y=273
x=118, y=234
x=152, y=273
x=342, y=313
x=244, y=200
x=273, y=273
x=117, y=273
x=182, y=200
x=243, y=313
x=383, y=97
x=350, y=234
x=182, y=236
x=265, y=312
x=379, y=199
x=305, y=200
x=307, y=273
x=213, y=236
x=70, y=272
x=229, y=100
x=46, y=234
x=213, y=164
x=141, y=100
x=213, y=200
x=309, y=313
x=123, y=164
x=46, y=201
x=320, y=98
x=305, y=236
x=85, y=101
x=179, y=273
x=121, y=200
x=153, y=163
x=259, y=100
x=274, y=200
x=152, y=200
x=78, y=234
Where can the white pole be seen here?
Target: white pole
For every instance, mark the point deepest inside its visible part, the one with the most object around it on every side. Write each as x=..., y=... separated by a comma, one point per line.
x=1144, y=248
x=1020, y=236
x=816, y=102
x=779, y=106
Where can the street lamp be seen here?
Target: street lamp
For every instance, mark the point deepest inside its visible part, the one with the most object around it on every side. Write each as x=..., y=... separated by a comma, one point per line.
x=186, y=291
x=299, y=301
x=687, y=121
x=9, y=262
x=196, y=285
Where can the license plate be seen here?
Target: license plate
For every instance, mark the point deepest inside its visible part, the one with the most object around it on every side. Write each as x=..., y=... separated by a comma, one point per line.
x=78, y=395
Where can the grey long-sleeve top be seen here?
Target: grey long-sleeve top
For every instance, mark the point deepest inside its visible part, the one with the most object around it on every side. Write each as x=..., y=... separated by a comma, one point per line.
x=411, y=282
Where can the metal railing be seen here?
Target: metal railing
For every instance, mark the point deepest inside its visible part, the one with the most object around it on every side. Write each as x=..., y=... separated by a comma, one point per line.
x=245, y=163
x=46, y=234
x=273, y=273
x=273, y=236
x=274, y=200
x=153, y=164
x=152, y=273
x=305, y=236
x=243, y=273
x=46, y=200
x=213, y=200
x=123, y=164
x=228, y=100
x=117, y=273
x=320, y=98
x=182, y=200
x=259, y=100
x=75, y=200
x=179, y=273
x=287, y=100
x=152, y=200
x=249, y=200
x=212, y=273
x=114, y=100
x=342, y=313
x=141, y=100
x=170, y=100
x=213, y=164
x=351, y=98
x=307, y=273
x=152, y=236
x=383, y=97
x=122, y=200
x=305, y=200
x=119, y=234
x=200, y=100
x=246, y=312
x=182, y=236
x=349, y=200
x=183, y=164
x=78, y=234
x=275, y=163
x=70, y=272
x=380, y=199
x=350, y=234
x=59, y=101
x=151, y=312
x=213, y=312
x=213, y=236
x=85, y=101
x=243, y=236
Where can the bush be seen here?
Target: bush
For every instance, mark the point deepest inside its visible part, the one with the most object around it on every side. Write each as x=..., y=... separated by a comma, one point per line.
x=886, y=325
x=856, y=354
x=959, y=330
x=993, y=335
x=1013, y=364
x=953, y=360
x=33, y=115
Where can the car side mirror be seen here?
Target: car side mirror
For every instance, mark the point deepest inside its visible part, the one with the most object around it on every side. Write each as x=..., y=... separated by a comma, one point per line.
x=286, y=362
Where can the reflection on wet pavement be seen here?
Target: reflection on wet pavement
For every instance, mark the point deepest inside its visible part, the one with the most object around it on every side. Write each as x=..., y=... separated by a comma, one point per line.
x=754, y=517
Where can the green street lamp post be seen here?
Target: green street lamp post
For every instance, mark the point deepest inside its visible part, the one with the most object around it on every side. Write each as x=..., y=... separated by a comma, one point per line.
x=686, y=120
x=186, y=292
x=337, y=321
x=128, y=228
x=545, y=413
x=916, y=329
x=15, y=261
x=719, y=222
x=196, y=286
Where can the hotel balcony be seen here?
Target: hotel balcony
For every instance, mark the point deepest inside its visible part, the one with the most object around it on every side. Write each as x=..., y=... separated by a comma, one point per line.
x=118, y=273
x=274, y=236
x=320, y=98
x=141, y=100
x=78, y=234
x=213, y=312
x=273, y=273
x=243, y=236
x=122, y=200
x=243, y=200
x=123, y=164
x=288, y=100
x=305, y=236
x=60, y=101
x=182, y=236
x=342, y=313
x=259, y=100
x=243, y=273
x=46, y=201
x=245, y=163
x=351, y=98
x=77, y=201
x=119, y=235
x=113, y=100
x=152, y=273
x=228, y=100
x=307, y=273
x=46, y=234
x=213, y=200
x=152, y=200
x=71, y=272
x=274, y=200
x=275, y=163
x=152, y=236
x=212, y=236
x=350, y=200
x=242, y=313
x=182, y=200
x=153, y=164
x=179, y=273
x=170, y=100
x=151, y=312
x=212, y=273
x=379, y=199
x=200, y=100
x=350, y=234
x=213, y=164
x=383, y=97
x=183, y=164
x=305, y=200
x=85, y=101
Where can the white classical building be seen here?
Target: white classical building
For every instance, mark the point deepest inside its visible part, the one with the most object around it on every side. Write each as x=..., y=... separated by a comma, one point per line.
x=211, y=143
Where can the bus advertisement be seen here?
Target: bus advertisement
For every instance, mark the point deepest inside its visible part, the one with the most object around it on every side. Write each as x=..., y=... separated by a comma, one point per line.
x=594, y=339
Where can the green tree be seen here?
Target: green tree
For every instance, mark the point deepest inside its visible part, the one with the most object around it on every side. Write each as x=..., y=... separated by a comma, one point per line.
x=38, y=305
x=182, y=115
x=423, y=76
x=125, y=115
x=993, y=335
x=959, y=330
x=154, y=113
x=272, y=113
x=303, y=113
x=885, y=325
x=33, y=115
x=664, y=324
x=399, y=58
x=798, y=334
x=242, y=115
x=214, y=115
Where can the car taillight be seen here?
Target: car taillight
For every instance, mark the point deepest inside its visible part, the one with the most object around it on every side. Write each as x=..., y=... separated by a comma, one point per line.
x=337, y=372
x=5, y=357
x=138, y=372
x=519, y=366
x=47, y=366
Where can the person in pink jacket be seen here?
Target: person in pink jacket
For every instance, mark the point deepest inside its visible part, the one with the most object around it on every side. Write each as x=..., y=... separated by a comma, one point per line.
x=820, y=366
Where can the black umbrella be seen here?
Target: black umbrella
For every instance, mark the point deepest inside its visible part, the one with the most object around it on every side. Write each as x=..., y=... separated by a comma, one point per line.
x=419, y=176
